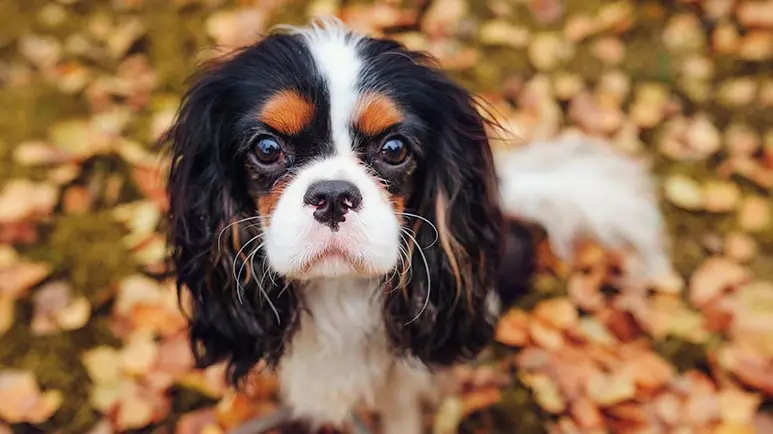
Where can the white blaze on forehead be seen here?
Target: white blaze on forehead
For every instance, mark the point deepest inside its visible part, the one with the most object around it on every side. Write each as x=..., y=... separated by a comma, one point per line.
x=334, y=50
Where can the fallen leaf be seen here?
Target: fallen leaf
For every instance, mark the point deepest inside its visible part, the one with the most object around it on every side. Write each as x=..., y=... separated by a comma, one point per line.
x=608, y=390
x=20, y=276
x=548, y=50
x=133, y=413
x=49, y=299
x=480, y=399
x=737, y=406
x=587, y=414
x=448, y=416
x=545, y=336
x=139, y=354
x=557, y=312
x=196, y=421
x=716, y=275
x=684, y=192
x=103, y=364
x=512, y=328
x=6, y=313
x=740, y=247
x=721, y=196
x=38, y=153
x=29, y=404
x=546, y=393
x=236, y=28
x=755, y=13
x=754, y=214
x=22, y=199
x=668, y=408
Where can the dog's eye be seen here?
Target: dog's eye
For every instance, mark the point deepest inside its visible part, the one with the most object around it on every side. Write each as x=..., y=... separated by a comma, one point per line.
x=394, y=151
x=268, y=150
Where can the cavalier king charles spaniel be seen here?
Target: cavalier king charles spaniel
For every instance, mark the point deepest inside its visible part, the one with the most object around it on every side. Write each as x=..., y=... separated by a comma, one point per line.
x=338, y=214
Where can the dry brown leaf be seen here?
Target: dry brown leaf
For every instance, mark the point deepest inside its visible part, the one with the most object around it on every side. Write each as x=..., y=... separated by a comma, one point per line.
x=6, y=313
x=236, y=28
x=42, y=51
x=721, y=196
x=749, y=366
x=27, y=403
x=48, y=300
x=546, y=392
x=587, y=414
x=545, y=335
x=725, y=38
x=683, y=33
x=139, y=354
x=668, y=408
x=76, y=199
x=479, y=399
x=757, y=46
x=734, y=428
x=715, y=276
x=740, y=247
x=649, y=371
x=737, y=406
x=737, y=92
x=38, y=153
x=512, y=328
x=103, y=364
x=18, y=277
x=442, y=17
x=754, y=214
x=755, y=13
x=608, y=49
x=133, y=413
x=579, y=27
x=448, y=416
x=196, y=422
x=741, y=140
x=557, y=312
x=684, y=192
x=609, y=389
x=546, y=11
x=548, y=50
x=22, y=199
x=504, y=33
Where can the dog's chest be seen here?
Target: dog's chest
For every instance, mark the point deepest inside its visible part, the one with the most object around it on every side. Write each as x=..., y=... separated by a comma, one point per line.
x=339, y=357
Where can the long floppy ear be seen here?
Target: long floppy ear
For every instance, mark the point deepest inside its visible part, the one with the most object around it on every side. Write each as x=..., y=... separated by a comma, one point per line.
x=239, y=314
x=439, y=314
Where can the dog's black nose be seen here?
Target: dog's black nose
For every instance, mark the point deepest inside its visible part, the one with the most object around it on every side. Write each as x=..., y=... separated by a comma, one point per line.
x=332, y=200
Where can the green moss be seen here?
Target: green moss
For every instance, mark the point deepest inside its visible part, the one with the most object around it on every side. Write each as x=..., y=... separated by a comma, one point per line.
x=87, y=250
x=517, y=408
x=55, y=360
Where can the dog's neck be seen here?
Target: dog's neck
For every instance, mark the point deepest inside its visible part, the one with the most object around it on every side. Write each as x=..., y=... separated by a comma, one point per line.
x=339, y=357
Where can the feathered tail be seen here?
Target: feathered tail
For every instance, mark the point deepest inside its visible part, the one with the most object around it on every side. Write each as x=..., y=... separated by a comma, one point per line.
x=577, y=187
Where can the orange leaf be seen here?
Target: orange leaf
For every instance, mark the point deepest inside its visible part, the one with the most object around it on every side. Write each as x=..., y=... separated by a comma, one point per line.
x=480, y=399
x=557, y=312
x=512, y=328
x=714, y=276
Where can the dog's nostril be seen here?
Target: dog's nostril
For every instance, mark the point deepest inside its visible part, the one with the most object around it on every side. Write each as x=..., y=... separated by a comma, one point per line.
x=332, y=200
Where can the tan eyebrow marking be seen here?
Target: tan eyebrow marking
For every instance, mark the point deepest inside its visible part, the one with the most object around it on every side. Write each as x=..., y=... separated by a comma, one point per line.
x=375, y=113
x=288, y=112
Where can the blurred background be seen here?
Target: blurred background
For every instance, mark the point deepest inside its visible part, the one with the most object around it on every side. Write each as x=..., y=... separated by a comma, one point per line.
x=91, y=340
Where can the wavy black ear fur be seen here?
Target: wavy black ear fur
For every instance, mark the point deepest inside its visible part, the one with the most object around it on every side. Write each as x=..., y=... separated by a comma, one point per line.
x=212, y=247
x=439, y=314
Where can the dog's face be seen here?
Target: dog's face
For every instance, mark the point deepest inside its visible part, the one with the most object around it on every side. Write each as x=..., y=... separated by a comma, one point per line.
x=320, y=153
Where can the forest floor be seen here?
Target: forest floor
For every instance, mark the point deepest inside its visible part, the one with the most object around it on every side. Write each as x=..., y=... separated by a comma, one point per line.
x=91, y=338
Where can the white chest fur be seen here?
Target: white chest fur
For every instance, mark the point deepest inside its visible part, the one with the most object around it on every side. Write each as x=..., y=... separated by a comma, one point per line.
x=339, y=358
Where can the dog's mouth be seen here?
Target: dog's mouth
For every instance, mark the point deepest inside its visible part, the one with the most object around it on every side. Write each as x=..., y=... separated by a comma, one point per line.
x=334, y=256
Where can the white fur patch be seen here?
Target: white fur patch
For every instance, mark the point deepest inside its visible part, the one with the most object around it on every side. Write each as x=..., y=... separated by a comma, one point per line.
x=370, y=234
x=576, y=186
x=334, y=50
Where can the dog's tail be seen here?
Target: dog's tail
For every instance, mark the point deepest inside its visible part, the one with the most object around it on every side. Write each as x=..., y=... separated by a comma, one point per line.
x=577, y=187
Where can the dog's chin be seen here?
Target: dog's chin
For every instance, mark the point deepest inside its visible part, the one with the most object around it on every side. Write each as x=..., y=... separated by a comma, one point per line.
x=332, y=261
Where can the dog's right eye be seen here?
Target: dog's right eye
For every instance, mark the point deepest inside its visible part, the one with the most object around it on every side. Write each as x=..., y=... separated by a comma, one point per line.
x=268, y=150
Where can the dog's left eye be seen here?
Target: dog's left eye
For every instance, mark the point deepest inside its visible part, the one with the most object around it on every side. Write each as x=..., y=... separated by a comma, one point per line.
x=268, y=150
x=394, y=151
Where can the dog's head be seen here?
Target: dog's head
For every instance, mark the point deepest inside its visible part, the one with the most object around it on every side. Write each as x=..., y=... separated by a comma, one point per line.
x=318, y=153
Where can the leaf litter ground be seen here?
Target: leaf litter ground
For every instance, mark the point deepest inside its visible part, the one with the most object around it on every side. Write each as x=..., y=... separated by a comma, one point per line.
x=91, y=338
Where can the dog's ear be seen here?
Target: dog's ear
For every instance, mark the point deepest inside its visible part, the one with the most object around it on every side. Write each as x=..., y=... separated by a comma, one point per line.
x=439, y=313
x=239, y=314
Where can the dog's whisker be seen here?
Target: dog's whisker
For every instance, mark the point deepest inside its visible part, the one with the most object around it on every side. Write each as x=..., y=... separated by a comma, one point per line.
x=239, y=287
x=429, y=282
x=220, y=234
x=432, y=225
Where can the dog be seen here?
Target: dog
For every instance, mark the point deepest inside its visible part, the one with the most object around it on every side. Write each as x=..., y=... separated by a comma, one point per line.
x=337, y=213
